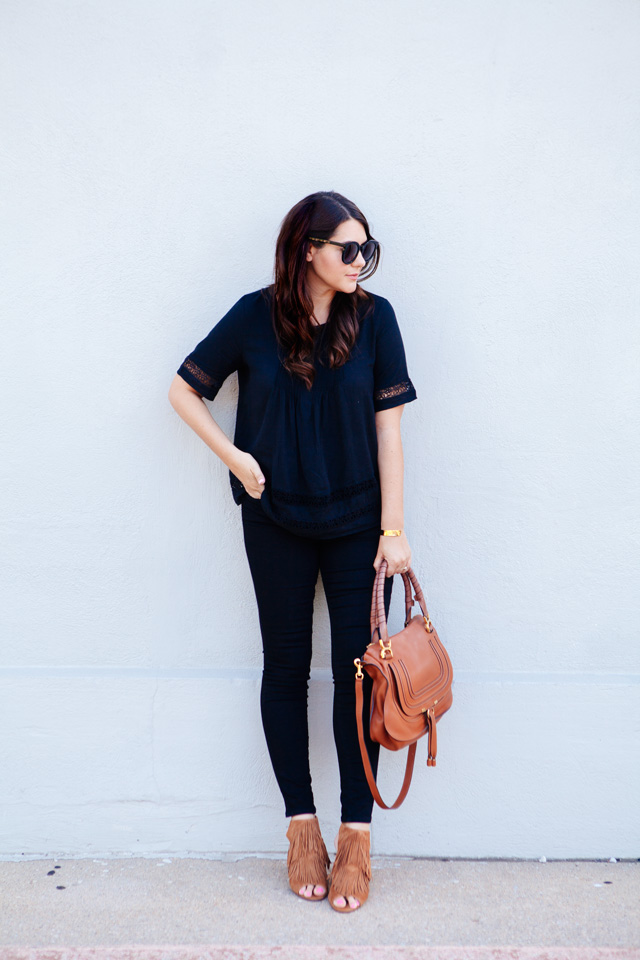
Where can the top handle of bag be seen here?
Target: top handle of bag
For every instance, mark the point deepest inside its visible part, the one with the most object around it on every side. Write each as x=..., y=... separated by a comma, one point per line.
x=378, y=617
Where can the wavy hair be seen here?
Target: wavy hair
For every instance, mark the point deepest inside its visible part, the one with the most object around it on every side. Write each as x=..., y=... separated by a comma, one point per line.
x=317, y=215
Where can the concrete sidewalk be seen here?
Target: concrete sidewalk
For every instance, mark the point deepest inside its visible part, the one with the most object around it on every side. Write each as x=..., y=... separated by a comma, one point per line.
x=183, y=909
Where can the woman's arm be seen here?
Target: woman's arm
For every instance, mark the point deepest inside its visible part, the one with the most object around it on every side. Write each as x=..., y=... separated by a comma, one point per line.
x=395, y=550
x=190, y=406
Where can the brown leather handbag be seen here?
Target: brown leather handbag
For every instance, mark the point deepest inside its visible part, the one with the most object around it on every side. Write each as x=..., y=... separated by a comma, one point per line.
x=412, y=676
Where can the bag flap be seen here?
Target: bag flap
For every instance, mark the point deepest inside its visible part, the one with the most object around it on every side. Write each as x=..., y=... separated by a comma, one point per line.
x=420, y=667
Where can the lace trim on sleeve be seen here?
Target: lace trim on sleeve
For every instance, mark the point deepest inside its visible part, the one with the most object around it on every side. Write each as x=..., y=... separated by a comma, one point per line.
x=200, y=375
x=393, y=391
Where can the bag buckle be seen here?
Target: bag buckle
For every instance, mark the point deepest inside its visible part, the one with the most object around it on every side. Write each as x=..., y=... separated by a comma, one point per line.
x=358, y=664
x=385, y=650
x=427, y=623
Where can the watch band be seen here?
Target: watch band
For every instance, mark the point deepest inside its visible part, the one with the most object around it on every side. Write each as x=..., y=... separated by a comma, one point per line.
x=390, y=533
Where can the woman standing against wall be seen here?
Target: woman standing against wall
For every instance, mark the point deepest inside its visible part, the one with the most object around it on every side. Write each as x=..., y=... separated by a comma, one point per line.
x=317, y=468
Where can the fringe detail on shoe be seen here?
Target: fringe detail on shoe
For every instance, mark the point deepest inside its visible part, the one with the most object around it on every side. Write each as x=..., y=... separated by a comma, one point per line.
x=351, y=871
x=307, y=859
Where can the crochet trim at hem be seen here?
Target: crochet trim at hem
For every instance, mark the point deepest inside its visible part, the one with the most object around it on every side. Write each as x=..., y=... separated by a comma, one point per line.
x=312, y=500
x=326, y=524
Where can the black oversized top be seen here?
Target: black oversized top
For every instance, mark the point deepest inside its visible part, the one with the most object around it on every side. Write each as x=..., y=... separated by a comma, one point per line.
x=317, y=448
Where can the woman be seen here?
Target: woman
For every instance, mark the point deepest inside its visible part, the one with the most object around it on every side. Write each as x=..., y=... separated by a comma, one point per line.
x=317, y=468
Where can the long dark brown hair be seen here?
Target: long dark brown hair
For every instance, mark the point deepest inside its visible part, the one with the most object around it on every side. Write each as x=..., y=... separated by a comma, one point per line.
x=317, y=215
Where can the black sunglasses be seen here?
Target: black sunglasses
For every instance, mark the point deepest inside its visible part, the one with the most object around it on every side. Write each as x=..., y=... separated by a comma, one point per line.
x=351, y=249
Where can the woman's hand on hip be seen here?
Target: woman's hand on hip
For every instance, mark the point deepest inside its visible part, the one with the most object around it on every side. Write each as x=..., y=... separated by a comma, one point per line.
x=396, y=551
x=247, y=470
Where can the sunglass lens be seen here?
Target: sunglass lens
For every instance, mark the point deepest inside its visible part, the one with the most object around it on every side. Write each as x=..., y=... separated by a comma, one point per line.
x=369, y=249
x=350, y=252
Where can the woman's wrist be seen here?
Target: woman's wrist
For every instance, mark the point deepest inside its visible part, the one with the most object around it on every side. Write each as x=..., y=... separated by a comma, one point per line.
x=233, y=457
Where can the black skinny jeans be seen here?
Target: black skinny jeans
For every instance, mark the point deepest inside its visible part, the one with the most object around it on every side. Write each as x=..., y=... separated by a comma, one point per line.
x=284, y=568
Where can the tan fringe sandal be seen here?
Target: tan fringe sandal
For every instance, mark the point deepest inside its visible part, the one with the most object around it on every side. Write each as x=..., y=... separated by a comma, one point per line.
x=351, y=871
x=307, y=859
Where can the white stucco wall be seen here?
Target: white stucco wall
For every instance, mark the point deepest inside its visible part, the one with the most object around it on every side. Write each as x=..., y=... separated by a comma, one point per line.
x=150, y=152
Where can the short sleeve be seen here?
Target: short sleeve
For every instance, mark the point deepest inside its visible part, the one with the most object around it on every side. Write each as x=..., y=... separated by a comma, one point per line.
x=217, y=356
x=392, y=384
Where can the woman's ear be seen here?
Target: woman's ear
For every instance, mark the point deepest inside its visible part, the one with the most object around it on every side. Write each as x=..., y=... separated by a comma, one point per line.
x=309, y=255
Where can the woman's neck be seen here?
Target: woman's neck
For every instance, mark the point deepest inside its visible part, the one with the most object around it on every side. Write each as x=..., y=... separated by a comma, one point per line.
x=319, y=318
x=321, y=297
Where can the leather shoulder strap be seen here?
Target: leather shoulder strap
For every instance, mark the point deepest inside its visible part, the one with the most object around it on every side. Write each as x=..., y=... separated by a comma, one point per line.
x=411, y=756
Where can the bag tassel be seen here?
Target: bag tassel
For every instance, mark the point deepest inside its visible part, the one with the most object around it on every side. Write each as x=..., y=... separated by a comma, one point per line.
x=433, y=738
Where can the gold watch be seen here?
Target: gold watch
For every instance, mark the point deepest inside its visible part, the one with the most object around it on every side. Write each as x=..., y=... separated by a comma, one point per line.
x=390, y=533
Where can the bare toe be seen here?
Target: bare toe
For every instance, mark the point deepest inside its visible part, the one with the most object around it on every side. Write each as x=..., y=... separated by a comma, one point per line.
x=353, y=903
